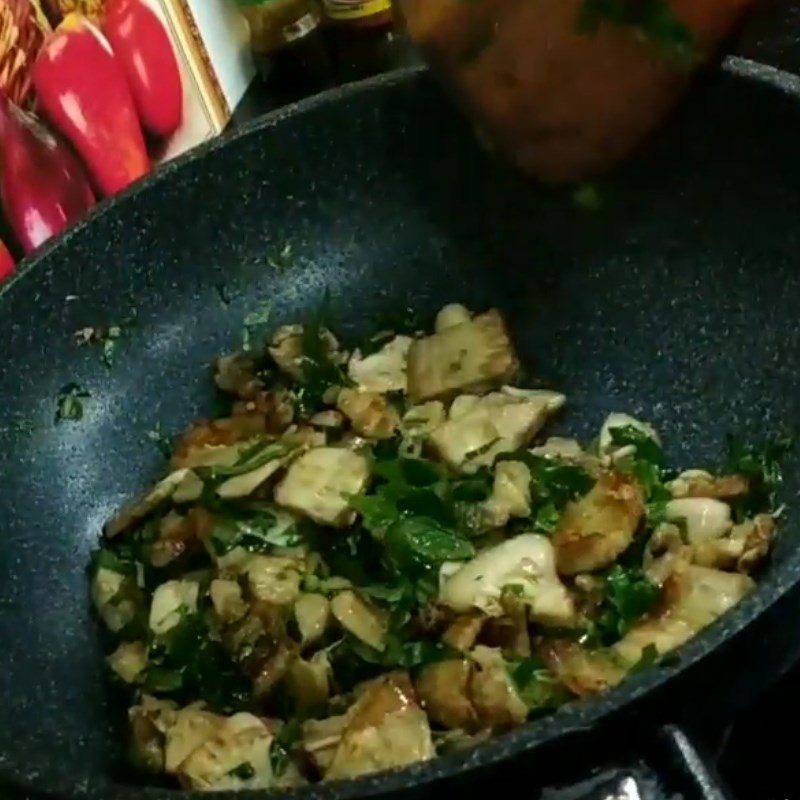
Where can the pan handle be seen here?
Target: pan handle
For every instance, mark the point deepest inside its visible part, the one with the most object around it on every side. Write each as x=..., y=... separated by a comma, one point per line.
x=673, y=763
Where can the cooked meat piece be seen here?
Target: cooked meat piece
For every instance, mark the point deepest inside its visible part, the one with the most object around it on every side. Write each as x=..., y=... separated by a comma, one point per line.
x=699, y=483
x=318, y=483
x=694, y=597
x=385, y=728
x=479, y=429
x=171, y=602
x=359, y=618
x=217, y=764
x=584, y=672
x=463, y=631
x=129, y=660
x=473, y=356
x=309, y=682
x=312, y=612
x=703, y=519
x=444, y=691
x=321, y=739
x=495, y=698
x=511, y=494
x=275, y=579
x=183, y=480
x=524, y=565
x=226, y=597
x=383, y=371
x=370, y=413
x=598, y=527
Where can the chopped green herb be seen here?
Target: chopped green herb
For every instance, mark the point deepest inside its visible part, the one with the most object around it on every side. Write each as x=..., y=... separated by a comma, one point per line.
x=258, y=532
x=762, y=467
x=280, y=258
x=536, y=685
x=320, y=372
x=647, y=448
x=377, y=512
x=554, y=483
x=187, y=664
x=405, y=654
x=69, y=405
x=163, y=441
x=283, y=746
x=254, y=324
x=260, y=454
x=587, y=198
x=629, y=595
x=107, y=337
x=653, y=20
x=326, y=586
x=417, y=544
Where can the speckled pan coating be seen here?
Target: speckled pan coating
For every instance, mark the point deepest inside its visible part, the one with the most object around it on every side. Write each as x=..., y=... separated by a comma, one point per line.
x=678, y=300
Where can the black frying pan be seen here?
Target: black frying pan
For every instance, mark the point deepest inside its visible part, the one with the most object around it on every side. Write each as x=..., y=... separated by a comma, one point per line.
x=678, y=300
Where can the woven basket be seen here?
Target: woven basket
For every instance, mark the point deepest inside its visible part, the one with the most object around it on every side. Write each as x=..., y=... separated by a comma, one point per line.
x=22, y=31
x=93, y=9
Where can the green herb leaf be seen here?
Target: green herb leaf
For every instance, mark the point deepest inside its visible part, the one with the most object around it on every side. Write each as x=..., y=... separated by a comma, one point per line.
x=320, y=373
x=377, y=512
x=163, y=441
x=254, y=457
x=284, y=745
x=258, y=532
x=587, y=198
x=280, y=257
x=405, y=654
x=629, y=595
x=187, y=664
x=554, y=483
x=418, y=544
x=255, y=323
x=536, y=685
x=654, y=20
x=107, y=338
x=762, y=467
x=69, y=405
x=647, y=448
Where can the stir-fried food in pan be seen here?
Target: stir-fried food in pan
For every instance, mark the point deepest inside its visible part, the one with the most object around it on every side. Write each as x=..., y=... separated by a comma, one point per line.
x=375, y=556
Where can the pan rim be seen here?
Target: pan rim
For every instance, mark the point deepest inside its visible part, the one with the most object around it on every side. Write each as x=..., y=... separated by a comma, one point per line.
x=575, y=717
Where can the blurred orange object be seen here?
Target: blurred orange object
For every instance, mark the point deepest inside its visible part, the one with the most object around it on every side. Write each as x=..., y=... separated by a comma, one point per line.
x=23, y=28
x=6, y=263
x=82, y=89
x=568, y=88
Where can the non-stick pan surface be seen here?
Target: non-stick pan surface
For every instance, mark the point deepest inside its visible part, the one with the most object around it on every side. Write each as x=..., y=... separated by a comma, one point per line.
x=677, y=300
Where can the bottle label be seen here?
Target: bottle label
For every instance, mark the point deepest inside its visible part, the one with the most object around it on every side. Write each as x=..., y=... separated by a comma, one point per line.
x=355, y=9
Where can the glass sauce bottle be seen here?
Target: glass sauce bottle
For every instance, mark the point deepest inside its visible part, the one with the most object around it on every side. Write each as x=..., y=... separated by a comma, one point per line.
x=288, y=47
x=363, y=37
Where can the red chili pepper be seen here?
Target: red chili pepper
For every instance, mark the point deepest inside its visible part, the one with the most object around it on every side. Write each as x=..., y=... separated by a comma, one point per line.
x=43, y=186
x=6, y=263
x=143, y=48
x=82, y=90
